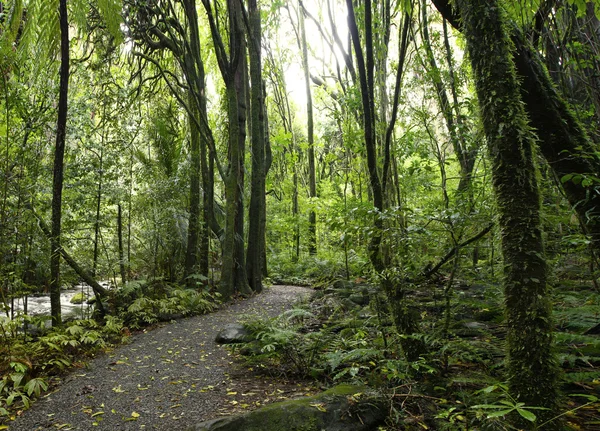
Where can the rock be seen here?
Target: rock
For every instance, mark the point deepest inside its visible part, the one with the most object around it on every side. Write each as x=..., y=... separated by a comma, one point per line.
x=472, y=329
x=343, y=284
x=167, y=317
x=359, y=298
x=476, y=326
x=78, y=298
x=342, y=408
x=232, y=333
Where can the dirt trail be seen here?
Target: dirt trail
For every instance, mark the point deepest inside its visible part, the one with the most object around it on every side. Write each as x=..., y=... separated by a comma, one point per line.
x=166, y=379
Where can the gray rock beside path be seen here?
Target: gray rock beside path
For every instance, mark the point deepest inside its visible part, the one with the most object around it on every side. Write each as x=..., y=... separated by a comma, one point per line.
x=232, y=333
x=342, y=408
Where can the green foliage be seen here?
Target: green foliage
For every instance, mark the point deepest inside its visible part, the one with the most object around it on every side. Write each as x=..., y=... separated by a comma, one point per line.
x=505, y=406
x=142, y=303
x=27, y=361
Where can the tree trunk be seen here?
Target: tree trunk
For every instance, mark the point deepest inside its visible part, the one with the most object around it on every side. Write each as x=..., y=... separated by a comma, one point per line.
x=233, y=70
x=531, y=365
x=85, y=276
x=241, y=79
x=257, y=210
x=197, y=255
x=365, y=69
x=466, y=161
x=120, y=239
x=312, y=178
x=98, y=205
x=563, y=140
x=191, y=254
x=58, y=173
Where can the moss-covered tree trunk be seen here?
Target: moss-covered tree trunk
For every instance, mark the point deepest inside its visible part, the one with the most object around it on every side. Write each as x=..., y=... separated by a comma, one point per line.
x=531, y=366
x=233, y=70
x=563, y=140
x=191, y=254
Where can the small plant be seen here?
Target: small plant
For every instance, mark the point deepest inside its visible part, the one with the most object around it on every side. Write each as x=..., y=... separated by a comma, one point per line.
x=505, y=405
x=141, y=304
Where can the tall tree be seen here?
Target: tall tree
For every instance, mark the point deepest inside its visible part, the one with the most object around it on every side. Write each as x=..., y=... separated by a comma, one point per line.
x=365, y=65
x=258, y=135
x=58, y=172
x=233, y=67
x=182, y=38
x=531, y=365
x=563, y=139
x=310, y=128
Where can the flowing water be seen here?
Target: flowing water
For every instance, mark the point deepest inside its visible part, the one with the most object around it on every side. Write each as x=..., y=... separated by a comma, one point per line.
x=40, y=305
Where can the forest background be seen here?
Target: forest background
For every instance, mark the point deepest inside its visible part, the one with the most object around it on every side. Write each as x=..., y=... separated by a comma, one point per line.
x=218, y=145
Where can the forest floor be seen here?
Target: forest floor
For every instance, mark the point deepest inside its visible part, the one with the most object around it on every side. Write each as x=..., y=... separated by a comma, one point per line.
x=171, y=377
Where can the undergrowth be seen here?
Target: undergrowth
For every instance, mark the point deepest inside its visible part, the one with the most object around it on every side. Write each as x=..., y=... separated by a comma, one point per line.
x=33, y=354
x=457, y=384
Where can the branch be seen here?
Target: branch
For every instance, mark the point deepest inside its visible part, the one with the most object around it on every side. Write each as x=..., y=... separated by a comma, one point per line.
x=403, y=48
x=340, y=44
x=429, y=272
x=217, y=41
x=320, y=83
x=99, y=291
x=205, y=131
x=449, y=12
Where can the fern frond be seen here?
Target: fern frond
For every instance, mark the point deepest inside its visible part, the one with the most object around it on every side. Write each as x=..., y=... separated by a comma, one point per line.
x=110, y=11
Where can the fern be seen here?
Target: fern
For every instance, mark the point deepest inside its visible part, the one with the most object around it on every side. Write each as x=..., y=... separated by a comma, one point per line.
x=584, y=376
x=110, y=10
x=296, y=314
x=563, y=338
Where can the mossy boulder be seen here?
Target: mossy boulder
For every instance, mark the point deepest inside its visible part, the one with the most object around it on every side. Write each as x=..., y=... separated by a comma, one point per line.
x=78, y=298
x=342, y=408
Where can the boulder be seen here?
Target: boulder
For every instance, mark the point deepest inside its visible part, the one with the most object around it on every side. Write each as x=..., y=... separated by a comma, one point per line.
x=232, y=333
x=78, y=298
x=342, y=408
x=359, y=298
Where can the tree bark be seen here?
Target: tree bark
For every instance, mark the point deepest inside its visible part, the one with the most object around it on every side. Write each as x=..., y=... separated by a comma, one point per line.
x=98, y=207
x=531, y=365
x=120, y=240
x=310, y=129
x=58, y=173
x=563, y=140
x=365, y=71
x=191, y=254
x=233, y=71
x=257, y=207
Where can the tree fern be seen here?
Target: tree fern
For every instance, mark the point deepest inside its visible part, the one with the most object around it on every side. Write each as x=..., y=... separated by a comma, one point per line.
x=110, y=11
x=9, y=27
x=41, y=38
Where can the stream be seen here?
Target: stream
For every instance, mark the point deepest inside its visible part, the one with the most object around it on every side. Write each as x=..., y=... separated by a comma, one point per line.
x=40, y=304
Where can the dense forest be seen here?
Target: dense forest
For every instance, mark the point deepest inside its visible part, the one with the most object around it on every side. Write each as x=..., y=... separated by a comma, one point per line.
x=173, y=154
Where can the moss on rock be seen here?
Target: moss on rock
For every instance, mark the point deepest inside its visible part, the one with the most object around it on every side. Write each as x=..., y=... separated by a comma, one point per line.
x=342, y=408
x=78, y=298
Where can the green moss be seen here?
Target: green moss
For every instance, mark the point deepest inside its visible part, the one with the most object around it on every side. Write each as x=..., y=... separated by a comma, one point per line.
x=78, y=298
x=329, y=410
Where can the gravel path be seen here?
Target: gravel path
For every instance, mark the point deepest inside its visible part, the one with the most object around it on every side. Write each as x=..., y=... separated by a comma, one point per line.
x=166, y=379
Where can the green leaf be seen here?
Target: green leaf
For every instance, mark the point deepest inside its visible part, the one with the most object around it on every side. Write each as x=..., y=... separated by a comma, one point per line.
x=499, y=413
x=527, y=415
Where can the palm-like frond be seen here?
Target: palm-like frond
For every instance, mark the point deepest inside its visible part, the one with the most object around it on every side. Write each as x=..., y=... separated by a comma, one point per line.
x=41, y=38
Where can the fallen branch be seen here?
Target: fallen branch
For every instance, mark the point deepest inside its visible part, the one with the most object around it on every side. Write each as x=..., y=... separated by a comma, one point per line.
x=428, y=272
x=99, y=291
